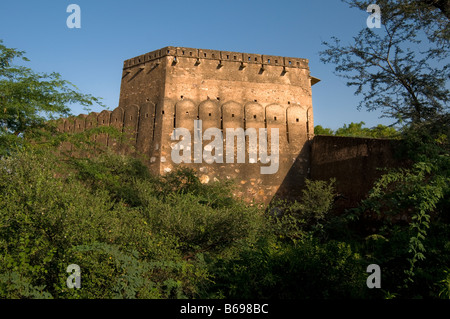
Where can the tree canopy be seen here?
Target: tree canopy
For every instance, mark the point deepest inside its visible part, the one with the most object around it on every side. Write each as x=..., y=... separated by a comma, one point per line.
x=357, y=130
x=28, y=99
x=401, y=68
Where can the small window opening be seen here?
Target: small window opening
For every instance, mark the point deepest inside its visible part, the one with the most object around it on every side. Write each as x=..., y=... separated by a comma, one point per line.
x=296, y=120
x=254, y=116
x=232, y=115
x=204, y=55
x=276, y=61
x=228, y=56
x=146, y=115
x=162, y=112
x=275, y=118
x=234, y=57
x=190, y=53
x=268, y=60
x=209, y=114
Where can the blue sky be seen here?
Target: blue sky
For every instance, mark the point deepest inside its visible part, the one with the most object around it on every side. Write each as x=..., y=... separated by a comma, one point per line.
x=112, y=31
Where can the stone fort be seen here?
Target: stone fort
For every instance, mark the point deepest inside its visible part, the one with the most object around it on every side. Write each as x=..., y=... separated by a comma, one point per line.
x=174, y=86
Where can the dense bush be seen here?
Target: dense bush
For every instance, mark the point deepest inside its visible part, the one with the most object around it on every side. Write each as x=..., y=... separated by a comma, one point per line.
x=135, y=235
x=307, y=270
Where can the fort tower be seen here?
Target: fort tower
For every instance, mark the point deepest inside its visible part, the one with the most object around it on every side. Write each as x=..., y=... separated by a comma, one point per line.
x=172, y=87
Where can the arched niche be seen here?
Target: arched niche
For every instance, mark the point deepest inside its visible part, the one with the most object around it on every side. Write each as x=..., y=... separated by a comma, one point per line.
x=232, y=115
x=117, y=118
x=80, y=123
x=166, y=109
x=116, y=121
x=103, y=119
x=275, y=115
x=210, y=114
x=145, y=133
x=254, y=115
x=296, y=119
x=91, y=120
x=276, y=118
x=186, y=112
x=131, y=118
x=69, y=124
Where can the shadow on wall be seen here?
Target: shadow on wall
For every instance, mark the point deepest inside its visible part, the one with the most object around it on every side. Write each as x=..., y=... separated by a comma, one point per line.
x=356, y=163
x=292, y=184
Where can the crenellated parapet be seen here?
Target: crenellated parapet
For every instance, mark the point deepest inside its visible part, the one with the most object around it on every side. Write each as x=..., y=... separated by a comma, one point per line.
x=197, y=55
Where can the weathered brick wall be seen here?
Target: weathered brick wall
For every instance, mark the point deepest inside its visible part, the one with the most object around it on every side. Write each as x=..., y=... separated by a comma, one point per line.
x=354, y=162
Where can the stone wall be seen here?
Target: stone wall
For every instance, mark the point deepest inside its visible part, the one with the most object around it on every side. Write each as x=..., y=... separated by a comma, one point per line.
x=155, y=147
x=177, y=86
x=354, y=162
x=174, y=87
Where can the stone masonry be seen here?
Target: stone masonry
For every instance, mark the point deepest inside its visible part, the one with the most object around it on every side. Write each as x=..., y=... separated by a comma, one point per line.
x=174, y=86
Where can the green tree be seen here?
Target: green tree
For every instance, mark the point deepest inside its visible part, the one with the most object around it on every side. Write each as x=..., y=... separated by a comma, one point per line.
x=401, y=68
x=28, y=99
x=319, y=130
x=357, y=130
x=383, y=131
x=353, y=129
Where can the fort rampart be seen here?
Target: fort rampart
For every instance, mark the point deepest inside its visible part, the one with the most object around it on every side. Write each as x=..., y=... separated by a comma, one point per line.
x=176, y=87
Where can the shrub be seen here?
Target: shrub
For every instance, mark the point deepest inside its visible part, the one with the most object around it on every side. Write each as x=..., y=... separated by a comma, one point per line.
x=308, y=270
x=294, y=220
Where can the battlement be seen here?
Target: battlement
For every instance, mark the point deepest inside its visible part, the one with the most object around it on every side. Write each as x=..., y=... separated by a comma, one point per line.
x=198, y=91
x=205, y=54
x=212, y=97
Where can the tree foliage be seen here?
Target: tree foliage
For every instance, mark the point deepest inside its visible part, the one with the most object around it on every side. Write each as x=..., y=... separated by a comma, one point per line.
x=357, y=130
x=401, y=68
x=28, y=99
